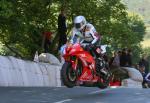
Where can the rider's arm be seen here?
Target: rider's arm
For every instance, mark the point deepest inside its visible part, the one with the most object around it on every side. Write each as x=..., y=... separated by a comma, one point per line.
x=77, y=36
x=74, y=36
x=95, y=39
x=73, y=39
x=94, y=35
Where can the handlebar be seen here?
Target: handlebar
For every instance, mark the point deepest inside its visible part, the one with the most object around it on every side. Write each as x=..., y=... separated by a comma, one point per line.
x=84, y=44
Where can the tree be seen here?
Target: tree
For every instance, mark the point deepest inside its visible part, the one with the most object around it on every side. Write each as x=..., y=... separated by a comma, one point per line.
x=21, y=27
x=22, y=23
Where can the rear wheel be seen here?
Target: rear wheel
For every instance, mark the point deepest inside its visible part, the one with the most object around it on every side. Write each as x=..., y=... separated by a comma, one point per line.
x=68, y=75
x=104, y=81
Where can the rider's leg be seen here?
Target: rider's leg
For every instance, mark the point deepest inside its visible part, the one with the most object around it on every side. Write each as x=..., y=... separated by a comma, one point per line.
x=100, y=65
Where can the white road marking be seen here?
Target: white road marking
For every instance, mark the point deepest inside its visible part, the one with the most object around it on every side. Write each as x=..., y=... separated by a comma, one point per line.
x=27, y=91
x=108, y=89
x=66, y=100
x=98, y=91
x=55, y=89
x=114, y=86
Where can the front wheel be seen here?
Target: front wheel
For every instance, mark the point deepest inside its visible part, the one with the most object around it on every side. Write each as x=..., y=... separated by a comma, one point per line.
x=68, y=75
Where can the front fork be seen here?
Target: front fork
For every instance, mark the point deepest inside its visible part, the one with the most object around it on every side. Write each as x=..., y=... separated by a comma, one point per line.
x=74, y=64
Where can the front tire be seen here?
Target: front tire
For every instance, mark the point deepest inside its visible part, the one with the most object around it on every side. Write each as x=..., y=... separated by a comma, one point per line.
x=68, y=75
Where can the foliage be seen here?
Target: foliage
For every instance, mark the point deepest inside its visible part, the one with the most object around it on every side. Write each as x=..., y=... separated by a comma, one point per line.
x=139, y=6
x=22, y=23
x=1, y=49
x=146, y=51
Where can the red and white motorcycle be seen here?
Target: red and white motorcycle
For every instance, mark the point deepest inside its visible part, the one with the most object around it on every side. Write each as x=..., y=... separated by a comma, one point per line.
x=79, y=68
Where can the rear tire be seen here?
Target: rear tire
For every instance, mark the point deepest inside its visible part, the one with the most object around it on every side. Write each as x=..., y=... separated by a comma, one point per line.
x=104, y=83
x=68, y=76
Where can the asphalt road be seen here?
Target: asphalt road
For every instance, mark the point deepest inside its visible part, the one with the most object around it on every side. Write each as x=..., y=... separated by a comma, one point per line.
x=73, y=95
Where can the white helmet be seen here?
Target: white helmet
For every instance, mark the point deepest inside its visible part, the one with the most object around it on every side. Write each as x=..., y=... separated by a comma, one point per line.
x=79, y=22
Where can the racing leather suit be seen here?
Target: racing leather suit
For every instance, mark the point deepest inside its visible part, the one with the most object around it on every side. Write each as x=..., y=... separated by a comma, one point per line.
x=88, y=35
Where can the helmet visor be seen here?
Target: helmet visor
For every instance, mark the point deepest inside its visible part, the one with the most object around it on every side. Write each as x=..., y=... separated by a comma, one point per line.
x=77, y=25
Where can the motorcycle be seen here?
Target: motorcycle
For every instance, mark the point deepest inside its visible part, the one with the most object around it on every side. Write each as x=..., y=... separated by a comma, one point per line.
x=79, y=68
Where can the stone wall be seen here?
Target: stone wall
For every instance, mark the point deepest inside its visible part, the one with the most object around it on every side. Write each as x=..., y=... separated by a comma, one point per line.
x=22, y=73
x=17, y=72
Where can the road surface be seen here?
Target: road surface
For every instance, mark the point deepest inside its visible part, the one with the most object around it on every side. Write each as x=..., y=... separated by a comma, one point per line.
x=73, y=95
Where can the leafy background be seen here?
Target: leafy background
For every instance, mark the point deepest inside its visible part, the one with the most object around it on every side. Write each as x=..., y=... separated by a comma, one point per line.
x=142, y=8
x=23, y=21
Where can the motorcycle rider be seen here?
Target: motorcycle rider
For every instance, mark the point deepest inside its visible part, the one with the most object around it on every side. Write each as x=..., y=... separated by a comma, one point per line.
x=86, y=33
